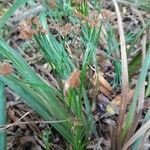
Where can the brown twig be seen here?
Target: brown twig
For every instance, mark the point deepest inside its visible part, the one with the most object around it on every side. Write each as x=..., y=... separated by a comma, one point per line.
x=2, y=128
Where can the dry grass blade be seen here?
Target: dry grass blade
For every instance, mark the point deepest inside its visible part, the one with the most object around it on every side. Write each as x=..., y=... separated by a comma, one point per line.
x=15, y=123
x=139, y=133
x=124, y=71
x=5, y=127
x=145, y=140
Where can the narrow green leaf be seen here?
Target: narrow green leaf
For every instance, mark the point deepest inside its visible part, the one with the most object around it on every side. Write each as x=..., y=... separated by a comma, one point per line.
x=33, y=100
x=131, y=113
x=2, y=115
x=135, y=64
x=140, y=33
x=148, y=88
x=89, y=111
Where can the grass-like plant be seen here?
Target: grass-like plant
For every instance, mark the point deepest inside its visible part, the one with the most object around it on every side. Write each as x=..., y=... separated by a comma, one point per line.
x=2, y=114
x=45, y=99
x=69, y=111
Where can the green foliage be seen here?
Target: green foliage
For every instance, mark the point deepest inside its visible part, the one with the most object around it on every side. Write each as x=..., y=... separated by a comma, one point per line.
x=137, y=37
x=54, y=51
x=49, y=102
x=74, y=124
x=45, y=102
x=83, y=8
x=8, y=14
x=3, y=117
x=117, y=68
x=135, y=64
x=133, y=105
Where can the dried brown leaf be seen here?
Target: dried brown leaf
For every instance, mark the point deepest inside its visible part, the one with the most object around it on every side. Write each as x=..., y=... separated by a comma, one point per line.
x=85, y=19
x=26, y=31
x=72, y=82
x=106, y=14
x=66, y=29
x=52, y=4
x=102, y=81
x=5, y=69
x=113, y=107
x=117, y=100
x=104, y=91
x=115, y=104
x=12, y=115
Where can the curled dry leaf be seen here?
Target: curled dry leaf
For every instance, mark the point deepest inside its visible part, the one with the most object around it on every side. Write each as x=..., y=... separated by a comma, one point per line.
x=66, y=29
x=52, y=4
x=12, y=115
x=5, y=69
x=26, y=31
x=106, y=14
x=105, y=91
x=114, y=106
x=72, y=82
x=116, y=100
x=85, y=19
x=102, y=81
